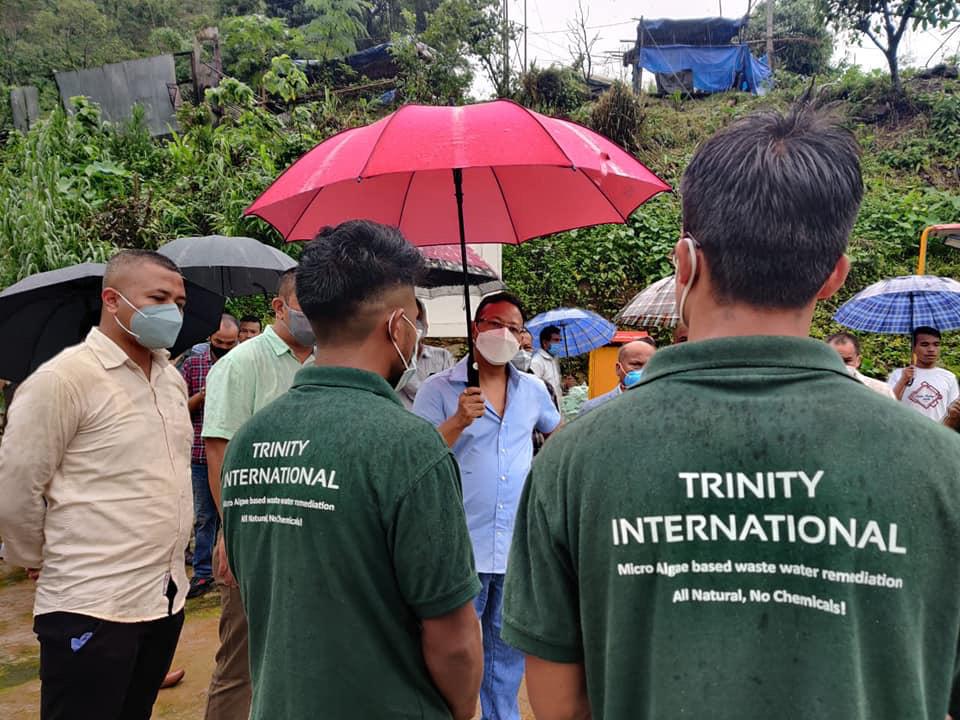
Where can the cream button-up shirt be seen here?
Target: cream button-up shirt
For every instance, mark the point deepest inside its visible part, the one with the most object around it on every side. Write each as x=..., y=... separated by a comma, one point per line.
x=95, y=485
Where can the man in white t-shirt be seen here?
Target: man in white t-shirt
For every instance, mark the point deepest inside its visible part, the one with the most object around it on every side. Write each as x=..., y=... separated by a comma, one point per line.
x=848, y=348
x=545, y=364
x=925, y=387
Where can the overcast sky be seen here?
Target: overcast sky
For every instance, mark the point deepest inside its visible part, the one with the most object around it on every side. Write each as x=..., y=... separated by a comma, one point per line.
x=616, y=22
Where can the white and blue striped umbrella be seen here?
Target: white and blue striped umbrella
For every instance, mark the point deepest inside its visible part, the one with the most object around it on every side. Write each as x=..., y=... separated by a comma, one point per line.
x=900, y=304
x=582, y=330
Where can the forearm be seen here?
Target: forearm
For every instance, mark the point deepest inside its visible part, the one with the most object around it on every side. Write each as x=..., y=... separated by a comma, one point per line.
x=195, y=402
x=454, y=659
x=899, y=388
x=451, y=429
x=557, y=691
x=215, y=449
x=22, y=516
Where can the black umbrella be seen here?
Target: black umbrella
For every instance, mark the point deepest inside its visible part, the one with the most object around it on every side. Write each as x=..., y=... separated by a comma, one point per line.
x=47, y=312
x=230, y=266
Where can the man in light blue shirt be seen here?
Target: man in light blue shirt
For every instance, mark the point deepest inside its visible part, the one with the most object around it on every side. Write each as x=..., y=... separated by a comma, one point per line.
x=631, y=359
x=490, y=431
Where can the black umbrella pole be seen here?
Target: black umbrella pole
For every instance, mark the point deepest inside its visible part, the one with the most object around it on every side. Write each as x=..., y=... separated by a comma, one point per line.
x=473, y=375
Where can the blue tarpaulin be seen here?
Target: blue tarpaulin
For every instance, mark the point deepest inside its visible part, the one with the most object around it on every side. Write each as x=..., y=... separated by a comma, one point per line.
x=715, y=69
x=702, y=31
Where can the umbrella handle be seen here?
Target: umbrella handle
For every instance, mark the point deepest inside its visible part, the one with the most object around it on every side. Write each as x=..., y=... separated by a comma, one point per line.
x=473, y=373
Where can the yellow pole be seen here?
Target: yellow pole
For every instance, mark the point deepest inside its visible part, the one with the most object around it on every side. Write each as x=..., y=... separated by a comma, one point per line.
x=922, y=262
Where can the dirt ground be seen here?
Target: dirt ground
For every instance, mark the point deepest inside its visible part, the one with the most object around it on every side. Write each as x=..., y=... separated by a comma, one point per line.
x=20, y=662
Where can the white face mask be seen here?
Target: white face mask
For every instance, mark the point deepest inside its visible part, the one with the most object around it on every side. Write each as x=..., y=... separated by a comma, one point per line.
x=409, y=366
x=498, y=347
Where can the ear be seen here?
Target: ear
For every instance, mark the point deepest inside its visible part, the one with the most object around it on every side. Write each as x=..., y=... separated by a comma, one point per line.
x=111, y=299
x=276, y=304
x=836, y=278
x=681, y=251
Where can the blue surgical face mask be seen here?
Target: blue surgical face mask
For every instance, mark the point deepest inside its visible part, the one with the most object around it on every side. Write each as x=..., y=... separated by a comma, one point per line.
x=554, y=350
x=299, y=327
x=632, y=378
x=153, y=326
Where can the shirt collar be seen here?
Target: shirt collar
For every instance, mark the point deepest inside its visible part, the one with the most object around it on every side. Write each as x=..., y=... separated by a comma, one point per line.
x=278, y=346
x=543, y=353
x=343, y=377
x=757, y=351
x=112, y=355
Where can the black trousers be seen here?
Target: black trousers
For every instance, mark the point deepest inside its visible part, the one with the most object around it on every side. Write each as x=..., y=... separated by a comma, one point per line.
x=93, y=669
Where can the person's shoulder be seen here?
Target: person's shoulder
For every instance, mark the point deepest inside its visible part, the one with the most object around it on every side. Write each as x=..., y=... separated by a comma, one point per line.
x=946, y=374
x=75, y=365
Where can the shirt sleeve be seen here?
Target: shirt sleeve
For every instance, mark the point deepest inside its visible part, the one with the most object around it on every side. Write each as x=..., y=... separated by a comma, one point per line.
x=430, y=545
x=448, y=361
x=549, y=417
x=894, y=377
x=429, y=402
x=540, y=605
x=953, y=391
x=229, y=400
x=42, y=420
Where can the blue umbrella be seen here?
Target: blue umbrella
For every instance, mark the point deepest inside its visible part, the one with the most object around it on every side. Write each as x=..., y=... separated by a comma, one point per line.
x=901, y=304
x=582, y=330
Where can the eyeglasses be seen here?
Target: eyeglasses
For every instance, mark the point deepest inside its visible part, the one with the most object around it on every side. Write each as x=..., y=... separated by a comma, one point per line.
x=498, y=325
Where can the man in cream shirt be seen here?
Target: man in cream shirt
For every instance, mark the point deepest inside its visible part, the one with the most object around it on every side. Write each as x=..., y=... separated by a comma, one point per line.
x=848, y=348
x=95, y=481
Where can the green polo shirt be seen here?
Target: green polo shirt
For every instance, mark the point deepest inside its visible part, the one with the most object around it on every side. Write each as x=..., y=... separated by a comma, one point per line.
x=343, y=517
x=246, y=379
x=748, y=533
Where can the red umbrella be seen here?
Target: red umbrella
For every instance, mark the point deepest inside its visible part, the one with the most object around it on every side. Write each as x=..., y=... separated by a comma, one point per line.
x=494, y=172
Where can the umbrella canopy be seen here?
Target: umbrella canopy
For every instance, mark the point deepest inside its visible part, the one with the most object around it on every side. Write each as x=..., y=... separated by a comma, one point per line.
x=230, y=266
x=582, y=330
x=444, y=268
x=488, y=173
x=656, y=304
x=50, y=311
x=900, y=304
x=524, y=175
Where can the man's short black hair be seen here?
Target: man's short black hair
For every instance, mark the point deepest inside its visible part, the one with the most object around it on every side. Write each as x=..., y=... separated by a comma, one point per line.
x=547, y=332
x=348, y=267
x=925, y=330
x=844, y=337
x=499, y=297
x=772, y=199
x=128, y=258
x=288, y=284
x=252, y=318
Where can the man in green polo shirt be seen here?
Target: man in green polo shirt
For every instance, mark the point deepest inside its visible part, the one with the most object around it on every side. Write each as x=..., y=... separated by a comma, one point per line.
x=241, y=383
x=756, y=548
x=343, y=513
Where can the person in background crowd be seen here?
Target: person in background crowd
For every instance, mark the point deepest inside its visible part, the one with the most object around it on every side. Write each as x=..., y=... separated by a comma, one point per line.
x=490, y=431
x=575, y=395
x=755, y=539
x=206, y=520
x=680, y=334
x=545, y=364
x=250, y=327
x=252, y=376
x=398, y=590
x=430, y=360
x=95, y=481
x=631, y=359
x=524, y=357
x=924, y=387
x=847, y=346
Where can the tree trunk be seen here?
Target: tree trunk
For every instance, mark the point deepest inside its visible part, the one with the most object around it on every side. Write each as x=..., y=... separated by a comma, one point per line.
x=894, y=68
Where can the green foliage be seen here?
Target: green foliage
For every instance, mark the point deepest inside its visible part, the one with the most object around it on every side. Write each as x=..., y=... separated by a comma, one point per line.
x=553, y=90
x=249, y=42
x=284, y=79
x=336, y=28
x=805, y=45
x=618, y=115
x=885, y=21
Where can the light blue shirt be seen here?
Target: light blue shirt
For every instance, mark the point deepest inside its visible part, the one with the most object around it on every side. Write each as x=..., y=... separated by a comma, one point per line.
x=494, y=454
x=599, y=400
